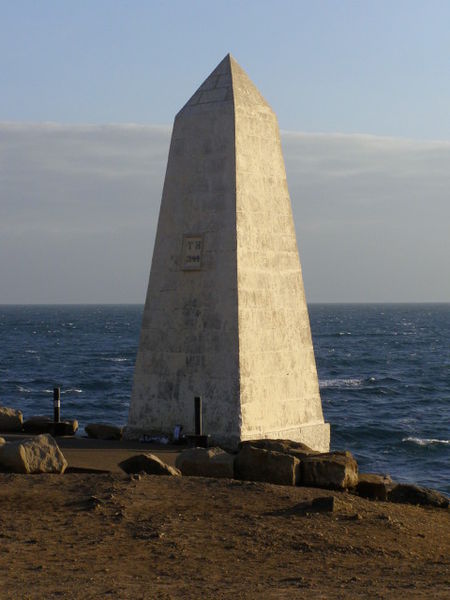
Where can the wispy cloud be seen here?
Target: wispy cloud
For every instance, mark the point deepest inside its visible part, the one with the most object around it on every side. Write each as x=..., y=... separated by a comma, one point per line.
x=79, y=204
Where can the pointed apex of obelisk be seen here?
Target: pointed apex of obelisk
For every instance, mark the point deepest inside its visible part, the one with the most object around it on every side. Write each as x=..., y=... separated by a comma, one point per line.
x=227, y=83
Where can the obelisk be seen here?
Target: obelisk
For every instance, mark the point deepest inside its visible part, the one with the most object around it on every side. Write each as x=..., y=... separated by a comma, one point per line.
x=225, y=316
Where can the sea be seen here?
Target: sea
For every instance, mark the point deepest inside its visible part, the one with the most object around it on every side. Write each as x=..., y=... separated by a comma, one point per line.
x=384, y=375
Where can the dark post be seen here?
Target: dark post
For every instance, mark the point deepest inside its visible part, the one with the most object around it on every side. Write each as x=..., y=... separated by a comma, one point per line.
x=56, y=405
x=198, y=415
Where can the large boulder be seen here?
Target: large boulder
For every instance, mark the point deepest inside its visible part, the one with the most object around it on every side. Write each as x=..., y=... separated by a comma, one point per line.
x=297, y=449
x=147, y=463
x=406, y=493
x=256, y=464
x=104, y=431
x=374, y=486
x=331, y=470
x=40, y=454
x=41, y=424
x=10, y=419
x=206, y=462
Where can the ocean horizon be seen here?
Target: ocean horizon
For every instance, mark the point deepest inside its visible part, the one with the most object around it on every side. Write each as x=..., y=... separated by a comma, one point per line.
x=384, y=374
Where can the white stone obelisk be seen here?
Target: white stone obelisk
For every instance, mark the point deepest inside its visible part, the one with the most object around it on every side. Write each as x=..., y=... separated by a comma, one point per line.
x=225, y=316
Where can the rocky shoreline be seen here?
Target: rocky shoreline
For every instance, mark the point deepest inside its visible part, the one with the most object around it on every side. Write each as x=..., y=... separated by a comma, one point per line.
x=273, y=520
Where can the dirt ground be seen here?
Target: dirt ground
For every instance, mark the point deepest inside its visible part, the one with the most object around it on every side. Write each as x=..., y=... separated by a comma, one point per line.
x=82, y=535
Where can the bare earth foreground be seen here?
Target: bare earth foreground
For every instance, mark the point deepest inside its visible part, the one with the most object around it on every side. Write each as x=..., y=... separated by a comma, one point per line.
x=86, y=535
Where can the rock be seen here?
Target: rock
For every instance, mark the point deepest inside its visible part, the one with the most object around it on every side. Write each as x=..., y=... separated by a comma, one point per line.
x=43, y=424
x=10, y=419
x=38, y=424
x=332, y=470
x=147, y=463
x=66, y=427
x=40, y=454
x=256, y=464
x=296, y=449
x=406, y=493
x=324, y=504
x=373, y=486
x=206, y=462
x=104, y=431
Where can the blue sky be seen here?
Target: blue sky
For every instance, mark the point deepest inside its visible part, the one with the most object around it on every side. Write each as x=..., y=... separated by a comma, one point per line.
x=88, y=92
x=378, y=67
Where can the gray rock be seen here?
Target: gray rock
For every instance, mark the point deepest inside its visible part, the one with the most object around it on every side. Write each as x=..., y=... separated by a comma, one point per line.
x=374, y=486
x=406, y=493
x=10, y=419
x=296, y=449
x=147, y=463
x=206, y=462
x=331, y=470
x=40, y=454
x=256, y=464
x=42, y=424
x=104, y=431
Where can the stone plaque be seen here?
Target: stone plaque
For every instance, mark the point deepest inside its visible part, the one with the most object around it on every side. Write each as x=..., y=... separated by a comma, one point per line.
x=191, y=253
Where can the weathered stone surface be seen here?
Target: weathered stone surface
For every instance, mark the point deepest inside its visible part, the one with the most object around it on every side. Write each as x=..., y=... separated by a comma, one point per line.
x=324, y=504
x=206, y=462
x=147, y=463
x=66, y=427
x=39, y=454
x=10, y=419
x=226, y=316
x=38, y=424
x=104, y=431
x=333, y=470
x=256, y=464
x=374, y=486
x=297, y=449
x=42, y=424
x=406, y=493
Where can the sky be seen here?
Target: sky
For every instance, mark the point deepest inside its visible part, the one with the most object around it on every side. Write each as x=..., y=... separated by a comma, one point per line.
x=88, y=93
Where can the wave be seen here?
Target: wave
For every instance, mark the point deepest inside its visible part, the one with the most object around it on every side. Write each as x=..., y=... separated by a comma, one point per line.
x=115, y=359
x=68, y=391
x=23, y=389
x=425, y=441
x=341, y=383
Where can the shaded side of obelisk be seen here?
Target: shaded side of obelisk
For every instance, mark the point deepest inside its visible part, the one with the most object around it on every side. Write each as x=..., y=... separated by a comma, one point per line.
x=189, y=338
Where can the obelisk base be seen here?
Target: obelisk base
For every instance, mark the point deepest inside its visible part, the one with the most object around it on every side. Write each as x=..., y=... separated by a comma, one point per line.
x=316, y=435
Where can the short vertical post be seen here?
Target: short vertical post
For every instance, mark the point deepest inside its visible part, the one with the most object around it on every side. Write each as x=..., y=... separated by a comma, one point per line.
x=56, y=405
x=198, y=415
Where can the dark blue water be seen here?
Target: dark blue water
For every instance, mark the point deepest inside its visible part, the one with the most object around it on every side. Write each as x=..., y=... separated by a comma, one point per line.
x=384, y=373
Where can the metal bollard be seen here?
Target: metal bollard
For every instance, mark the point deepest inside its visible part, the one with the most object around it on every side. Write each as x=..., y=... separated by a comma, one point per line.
x=198, y=415
x=56, y=405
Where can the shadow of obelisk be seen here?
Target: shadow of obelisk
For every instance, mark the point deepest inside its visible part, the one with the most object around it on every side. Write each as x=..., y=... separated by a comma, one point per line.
x=225, y=316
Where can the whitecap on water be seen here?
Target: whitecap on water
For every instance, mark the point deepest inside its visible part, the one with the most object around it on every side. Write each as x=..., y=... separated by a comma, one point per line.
x=23, y=389
x=115, y=359
x=424, y=441
x=340, y=383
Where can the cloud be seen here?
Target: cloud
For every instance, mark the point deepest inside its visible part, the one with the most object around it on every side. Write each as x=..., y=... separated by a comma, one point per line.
x=79, y=205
